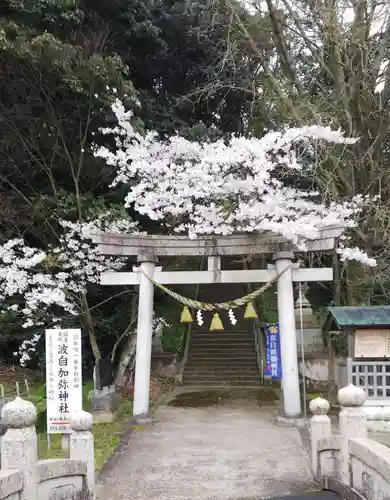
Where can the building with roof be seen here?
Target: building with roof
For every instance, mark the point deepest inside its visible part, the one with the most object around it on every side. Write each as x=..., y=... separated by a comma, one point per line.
x=367, y=333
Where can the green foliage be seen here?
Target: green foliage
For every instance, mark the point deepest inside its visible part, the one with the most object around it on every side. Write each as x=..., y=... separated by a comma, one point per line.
x=177, y=54
x=63, y=63
x=172, y=336
x=340, y=344
x=58, y=84
x=172, y=339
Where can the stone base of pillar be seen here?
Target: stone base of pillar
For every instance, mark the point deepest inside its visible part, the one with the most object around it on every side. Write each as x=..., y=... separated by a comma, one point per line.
x=104, y=403
x=102, y=417
x=299, y=422
x=143, y=420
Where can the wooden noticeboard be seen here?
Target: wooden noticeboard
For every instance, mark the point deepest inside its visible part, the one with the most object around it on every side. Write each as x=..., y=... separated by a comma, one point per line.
x=374, y=343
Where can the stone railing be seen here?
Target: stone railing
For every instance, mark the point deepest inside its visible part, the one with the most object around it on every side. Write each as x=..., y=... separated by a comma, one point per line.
x=24, y=477
x=348, y=462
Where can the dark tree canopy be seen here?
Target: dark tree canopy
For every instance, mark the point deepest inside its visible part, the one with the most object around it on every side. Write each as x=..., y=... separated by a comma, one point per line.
x=62, y=65
x=174, y=50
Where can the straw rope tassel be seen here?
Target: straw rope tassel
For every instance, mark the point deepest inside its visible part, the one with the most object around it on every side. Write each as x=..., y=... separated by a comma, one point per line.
x=250, y=312
x=186, y=315
x=216, y=323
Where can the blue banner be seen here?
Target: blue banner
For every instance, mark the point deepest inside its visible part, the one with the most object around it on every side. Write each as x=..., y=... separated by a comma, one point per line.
x=273, y=363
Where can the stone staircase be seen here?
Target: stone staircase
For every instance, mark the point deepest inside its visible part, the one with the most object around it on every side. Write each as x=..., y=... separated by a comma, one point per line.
x=226, y=358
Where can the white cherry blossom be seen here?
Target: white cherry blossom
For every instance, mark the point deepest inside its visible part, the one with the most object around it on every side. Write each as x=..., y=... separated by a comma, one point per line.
x=43, y=286
x=228, y=187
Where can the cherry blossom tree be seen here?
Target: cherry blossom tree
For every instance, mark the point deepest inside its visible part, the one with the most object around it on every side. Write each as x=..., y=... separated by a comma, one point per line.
x=228, y=187
x=44, y=287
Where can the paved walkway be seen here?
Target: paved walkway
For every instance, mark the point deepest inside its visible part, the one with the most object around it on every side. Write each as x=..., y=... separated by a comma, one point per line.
x=231, y=452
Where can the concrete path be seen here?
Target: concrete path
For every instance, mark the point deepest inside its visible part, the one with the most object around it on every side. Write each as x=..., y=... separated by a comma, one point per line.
x=231, y=452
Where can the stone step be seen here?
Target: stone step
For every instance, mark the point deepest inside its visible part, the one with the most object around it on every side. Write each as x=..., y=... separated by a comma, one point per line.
x=233, y=333
x=230, y=330
x=245, y=365
x=215, y=334
x=232, y=356
x=224, y=346
x=221, y=335
x=236, y=360
x=221, y=351
x=221, y=338
x=220, y=342
x=220, y=376
x=240, y=346
x=221, y=364
x=228, y=372
x=225, y=383
x=192, y=365
x=215, y=355
x=220, y=369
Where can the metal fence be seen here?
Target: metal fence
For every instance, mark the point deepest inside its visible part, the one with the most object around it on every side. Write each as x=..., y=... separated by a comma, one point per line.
x=373, y=376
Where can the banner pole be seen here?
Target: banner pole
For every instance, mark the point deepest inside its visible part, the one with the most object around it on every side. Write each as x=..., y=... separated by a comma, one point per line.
x=303, y=352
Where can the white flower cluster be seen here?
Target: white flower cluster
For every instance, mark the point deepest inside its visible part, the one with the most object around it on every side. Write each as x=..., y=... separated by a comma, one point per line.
x=77, y=251
x=357, y=254
x=78, y=260
x=223, y=188
x=41, y=286
x=25, y=287
x=27, y=349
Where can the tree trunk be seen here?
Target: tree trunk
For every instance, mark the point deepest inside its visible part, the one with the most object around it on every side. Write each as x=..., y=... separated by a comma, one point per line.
x=129, y=349
x=125, y=360
x=91, y=329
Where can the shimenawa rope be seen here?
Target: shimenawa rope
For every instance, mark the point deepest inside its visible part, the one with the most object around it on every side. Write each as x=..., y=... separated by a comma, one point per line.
x=206, y=306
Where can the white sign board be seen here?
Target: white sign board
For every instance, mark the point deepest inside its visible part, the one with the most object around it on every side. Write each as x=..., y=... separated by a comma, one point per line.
x=372, y=343
x=63, y=378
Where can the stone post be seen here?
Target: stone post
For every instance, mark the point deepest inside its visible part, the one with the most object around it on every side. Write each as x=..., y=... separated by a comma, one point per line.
x=320, y=427
x=19, y=443
x=352, y=423
x=288, y=336
x=144, y=336
x=3, y=401
x=81, y=446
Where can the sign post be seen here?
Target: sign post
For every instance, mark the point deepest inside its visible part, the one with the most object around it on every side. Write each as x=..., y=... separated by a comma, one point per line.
x=273, y=368
x=63, y=378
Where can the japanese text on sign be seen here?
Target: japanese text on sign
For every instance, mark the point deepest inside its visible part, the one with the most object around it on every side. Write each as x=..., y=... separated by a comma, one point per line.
x=372, y=343
x=63, y=378
x=273, y=366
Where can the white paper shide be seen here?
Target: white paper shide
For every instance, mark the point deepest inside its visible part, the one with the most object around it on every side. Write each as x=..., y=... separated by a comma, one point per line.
x=63, y=378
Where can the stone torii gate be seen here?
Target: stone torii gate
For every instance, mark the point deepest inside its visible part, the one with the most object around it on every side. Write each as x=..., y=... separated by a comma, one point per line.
x=148, y=248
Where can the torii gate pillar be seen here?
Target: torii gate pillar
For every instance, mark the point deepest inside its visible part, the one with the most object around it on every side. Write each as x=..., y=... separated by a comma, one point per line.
x=288, y=341
x=144, y=336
